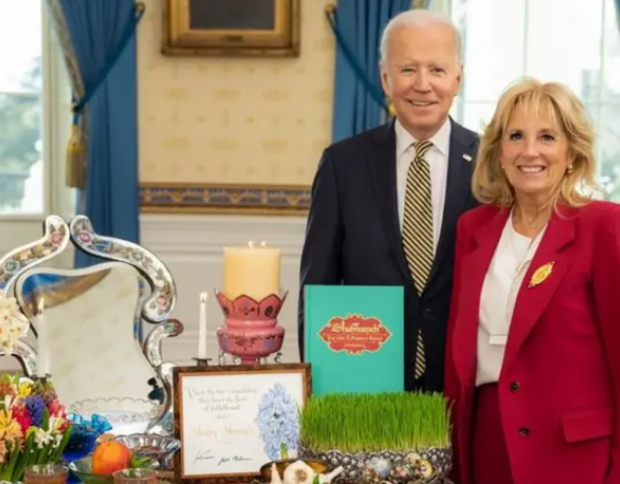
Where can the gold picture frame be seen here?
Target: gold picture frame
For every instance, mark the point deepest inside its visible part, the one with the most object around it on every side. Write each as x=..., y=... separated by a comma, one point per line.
x=231, y=28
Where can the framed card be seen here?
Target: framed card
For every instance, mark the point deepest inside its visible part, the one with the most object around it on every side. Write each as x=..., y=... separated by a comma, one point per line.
x=232, y=420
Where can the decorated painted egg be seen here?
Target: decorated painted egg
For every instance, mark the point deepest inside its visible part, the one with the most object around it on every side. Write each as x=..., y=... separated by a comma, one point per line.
x=423, y=469
x=401, y=472
x=413, y=458
x=371, y=476
x=380, y=465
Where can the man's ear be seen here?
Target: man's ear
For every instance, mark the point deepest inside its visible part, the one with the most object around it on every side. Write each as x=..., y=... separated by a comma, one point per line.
x=459, y=79
x=385, y=81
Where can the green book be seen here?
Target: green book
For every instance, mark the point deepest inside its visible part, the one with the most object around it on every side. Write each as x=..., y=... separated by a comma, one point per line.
x=354, y=338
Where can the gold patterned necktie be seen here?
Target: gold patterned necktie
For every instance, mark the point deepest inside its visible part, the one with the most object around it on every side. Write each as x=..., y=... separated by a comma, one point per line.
x=417, y=232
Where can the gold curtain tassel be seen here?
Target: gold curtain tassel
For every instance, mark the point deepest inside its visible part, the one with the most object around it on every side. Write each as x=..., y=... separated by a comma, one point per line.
x=76, y=162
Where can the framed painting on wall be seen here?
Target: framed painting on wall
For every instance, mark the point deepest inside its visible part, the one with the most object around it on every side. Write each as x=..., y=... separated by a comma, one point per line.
x=231, y=28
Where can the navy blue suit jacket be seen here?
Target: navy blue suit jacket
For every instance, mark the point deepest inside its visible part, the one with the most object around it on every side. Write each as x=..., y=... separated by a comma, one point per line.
x=353, y=235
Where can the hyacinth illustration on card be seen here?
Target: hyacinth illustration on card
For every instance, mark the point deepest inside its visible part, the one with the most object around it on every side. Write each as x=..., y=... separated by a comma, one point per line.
x=277, y=422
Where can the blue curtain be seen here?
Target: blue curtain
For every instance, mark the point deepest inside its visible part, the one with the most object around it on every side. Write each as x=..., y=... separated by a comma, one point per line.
x=358, y=98
x=99, y=46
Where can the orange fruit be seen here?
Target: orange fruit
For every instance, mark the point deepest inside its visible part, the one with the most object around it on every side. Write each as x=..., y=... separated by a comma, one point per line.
x=110, y=456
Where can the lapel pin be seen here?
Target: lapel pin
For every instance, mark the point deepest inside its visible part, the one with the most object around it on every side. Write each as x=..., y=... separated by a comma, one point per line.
x=466, y=157
x=541, y=274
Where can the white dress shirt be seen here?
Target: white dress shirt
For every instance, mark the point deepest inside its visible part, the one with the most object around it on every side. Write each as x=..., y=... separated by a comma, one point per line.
x=437, y=158
x=501, y=285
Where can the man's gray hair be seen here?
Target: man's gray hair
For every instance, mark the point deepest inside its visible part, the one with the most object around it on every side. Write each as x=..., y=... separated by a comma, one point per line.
x=417, y=18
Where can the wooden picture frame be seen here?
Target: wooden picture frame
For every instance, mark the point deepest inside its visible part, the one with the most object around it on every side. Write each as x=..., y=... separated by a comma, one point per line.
x=231, y=28
x=217, y=418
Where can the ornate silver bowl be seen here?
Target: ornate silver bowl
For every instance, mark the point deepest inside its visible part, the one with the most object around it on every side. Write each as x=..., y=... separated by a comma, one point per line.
x=158, y=447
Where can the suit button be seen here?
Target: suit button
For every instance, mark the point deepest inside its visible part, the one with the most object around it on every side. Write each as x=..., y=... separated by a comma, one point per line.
x=514, y=386
x=524, y=431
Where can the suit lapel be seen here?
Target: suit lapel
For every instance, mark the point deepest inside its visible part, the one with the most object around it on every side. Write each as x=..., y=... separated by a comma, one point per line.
x=460, y=167
x=533, y=299
x=473, y=271
x=381, y=161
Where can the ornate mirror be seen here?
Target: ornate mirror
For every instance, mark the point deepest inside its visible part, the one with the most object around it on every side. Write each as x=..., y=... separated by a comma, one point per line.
x=98, y=331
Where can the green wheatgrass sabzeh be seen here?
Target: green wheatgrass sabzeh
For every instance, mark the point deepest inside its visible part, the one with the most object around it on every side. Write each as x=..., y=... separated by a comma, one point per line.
x=352, y=423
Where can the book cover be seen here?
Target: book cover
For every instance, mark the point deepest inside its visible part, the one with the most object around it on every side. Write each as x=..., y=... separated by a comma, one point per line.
x=354, y=338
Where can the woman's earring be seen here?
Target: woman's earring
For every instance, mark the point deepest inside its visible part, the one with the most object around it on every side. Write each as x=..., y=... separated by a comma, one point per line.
x=569, y=170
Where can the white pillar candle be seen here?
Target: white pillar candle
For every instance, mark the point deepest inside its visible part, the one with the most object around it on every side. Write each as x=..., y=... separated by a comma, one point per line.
x=251, y=270
x=202, y=327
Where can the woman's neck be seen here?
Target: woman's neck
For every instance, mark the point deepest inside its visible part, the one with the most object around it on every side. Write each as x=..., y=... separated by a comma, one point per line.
x=529, y=219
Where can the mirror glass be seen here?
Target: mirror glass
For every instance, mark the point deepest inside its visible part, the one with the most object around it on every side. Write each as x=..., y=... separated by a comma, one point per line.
x=94, y=335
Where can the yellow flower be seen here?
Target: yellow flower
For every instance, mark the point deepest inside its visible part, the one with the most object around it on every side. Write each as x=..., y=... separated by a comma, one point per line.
x=24, y=389
x=13, y=432
x=6, y=419
x=2, y=450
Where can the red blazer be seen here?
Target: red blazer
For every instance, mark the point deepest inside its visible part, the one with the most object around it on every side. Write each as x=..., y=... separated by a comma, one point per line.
x=560, y=378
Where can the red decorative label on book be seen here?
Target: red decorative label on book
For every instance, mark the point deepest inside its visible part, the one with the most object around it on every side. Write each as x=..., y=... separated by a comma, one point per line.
x=355, y=334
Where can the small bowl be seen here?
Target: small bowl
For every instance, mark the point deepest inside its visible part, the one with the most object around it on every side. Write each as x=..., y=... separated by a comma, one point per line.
x=318, y=466
x=158, y=447
x=84, y=470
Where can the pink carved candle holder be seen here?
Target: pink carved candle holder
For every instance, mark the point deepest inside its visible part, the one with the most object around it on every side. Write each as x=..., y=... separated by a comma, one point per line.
x=251, y=330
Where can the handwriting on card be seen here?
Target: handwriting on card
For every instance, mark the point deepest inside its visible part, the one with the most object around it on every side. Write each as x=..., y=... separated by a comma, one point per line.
x=227, y=421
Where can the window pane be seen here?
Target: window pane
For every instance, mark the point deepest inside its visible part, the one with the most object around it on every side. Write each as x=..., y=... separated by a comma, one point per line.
x=608, y=134
x=608, y=123
x=477, y=115
x=21, y=163
x=493, y=37
x=611, y=71
x=564, y=43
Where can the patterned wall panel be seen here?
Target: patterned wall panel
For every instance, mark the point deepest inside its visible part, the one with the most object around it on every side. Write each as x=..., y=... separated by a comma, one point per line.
x=225, y=128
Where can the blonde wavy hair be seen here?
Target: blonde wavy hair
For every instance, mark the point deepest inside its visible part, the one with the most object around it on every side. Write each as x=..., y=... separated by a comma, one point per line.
x=489, y=182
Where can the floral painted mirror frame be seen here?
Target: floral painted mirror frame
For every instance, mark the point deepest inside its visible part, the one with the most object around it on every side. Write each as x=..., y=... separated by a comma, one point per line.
x=156, y=309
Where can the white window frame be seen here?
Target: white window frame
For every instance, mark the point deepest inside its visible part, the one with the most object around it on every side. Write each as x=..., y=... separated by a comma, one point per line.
x=60, y=199
x=19, y=229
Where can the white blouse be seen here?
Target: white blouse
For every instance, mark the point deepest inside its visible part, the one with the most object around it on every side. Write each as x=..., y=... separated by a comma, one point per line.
x=501, y=285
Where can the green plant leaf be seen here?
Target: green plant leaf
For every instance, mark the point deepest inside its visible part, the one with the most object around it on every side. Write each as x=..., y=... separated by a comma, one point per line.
x=57, y=453
x=138, y=462
x=400, y=421
x=25, y=459
x=15, y=454
x=46, y=419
